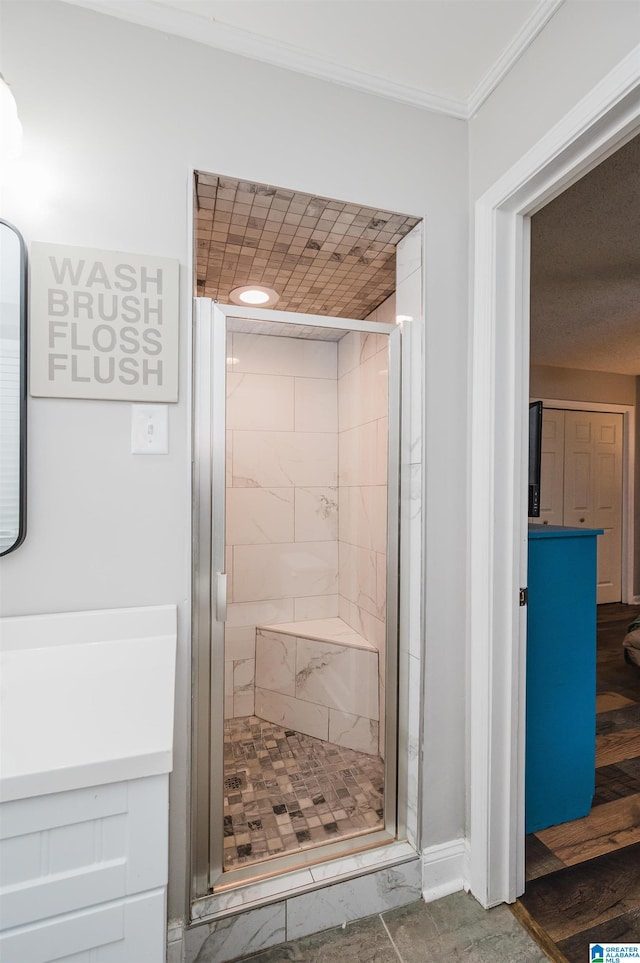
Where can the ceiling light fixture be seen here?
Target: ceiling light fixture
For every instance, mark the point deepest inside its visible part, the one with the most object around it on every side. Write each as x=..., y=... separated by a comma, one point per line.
x=254, y=295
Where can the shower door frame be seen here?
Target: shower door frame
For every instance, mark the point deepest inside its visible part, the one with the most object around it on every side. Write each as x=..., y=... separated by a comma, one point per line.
x=209, y=601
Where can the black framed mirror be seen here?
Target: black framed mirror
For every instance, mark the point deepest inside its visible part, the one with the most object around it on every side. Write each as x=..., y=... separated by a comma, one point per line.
x=13, y=388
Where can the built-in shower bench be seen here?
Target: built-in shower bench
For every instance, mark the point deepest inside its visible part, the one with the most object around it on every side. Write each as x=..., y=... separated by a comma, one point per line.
x=319, y=677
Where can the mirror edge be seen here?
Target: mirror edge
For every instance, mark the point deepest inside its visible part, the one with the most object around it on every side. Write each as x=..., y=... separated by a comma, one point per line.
x=22, y=500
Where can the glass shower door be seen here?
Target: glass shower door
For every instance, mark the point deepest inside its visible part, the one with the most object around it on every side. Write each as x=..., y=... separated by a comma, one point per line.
x=300, y=415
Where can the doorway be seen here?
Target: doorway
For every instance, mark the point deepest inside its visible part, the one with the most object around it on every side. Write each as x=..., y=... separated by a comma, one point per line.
x=297, y=494
x=606, y=119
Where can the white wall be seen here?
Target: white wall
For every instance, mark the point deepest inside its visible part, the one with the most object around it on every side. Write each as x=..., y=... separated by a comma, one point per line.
x=573, y=384
x=581, y=43
x=116, y=116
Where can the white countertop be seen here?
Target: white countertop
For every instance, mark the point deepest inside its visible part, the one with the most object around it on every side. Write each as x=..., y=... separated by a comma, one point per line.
x=86, y=698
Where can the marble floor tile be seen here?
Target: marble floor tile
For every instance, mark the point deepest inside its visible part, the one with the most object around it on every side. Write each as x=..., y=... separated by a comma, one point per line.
x=363, y=942
x=453, y=928
x=285, y=792
x=458, y=928
x=350, y=900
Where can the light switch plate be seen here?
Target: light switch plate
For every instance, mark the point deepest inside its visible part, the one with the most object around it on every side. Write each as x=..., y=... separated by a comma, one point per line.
x=150, y=429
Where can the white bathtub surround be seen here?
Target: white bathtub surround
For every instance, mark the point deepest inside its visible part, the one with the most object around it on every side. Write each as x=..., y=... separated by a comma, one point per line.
x=260, y=402
x=363, y=392
x=307, y=506
x=316, y=607
x=244, y=673
x=260, y=515
x=316, y=514
x=292, y=713
x=282, y=498
x=276, y=662
x=362, y=454
x=228, y=689
x=246, y=615
x=354, y=732
x=316, y=404
x=325, y=630
x=87, y=729
x=338, y=676
x=298, y=569
x=283, y=459
x=323, y=683
x=258, y=354
x=239, y=670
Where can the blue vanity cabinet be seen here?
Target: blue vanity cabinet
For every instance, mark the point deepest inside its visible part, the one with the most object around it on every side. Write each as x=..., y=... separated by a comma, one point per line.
x=561, y=675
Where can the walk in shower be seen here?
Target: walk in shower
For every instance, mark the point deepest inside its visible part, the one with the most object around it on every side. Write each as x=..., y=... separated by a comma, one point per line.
x=296, y=494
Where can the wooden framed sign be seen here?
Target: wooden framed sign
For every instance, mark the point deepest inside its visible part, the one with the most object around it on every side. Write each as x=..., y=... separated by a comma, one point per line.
x=103, y=324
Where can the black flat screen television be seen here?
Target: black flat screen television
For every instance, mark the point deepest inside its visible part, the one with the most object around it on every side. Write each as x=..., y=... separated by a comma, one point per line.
x=535, y=457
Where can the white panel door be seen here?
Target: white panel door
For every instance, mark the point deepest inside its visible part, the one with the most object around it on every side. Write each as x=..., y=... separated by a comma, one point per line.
x=593, y=489
x=552, y=469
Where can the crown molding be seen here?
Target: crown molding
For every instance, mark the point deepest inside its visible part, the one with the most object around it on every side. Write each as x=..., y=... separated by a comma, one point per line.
x=530, y=29
x=243, y=43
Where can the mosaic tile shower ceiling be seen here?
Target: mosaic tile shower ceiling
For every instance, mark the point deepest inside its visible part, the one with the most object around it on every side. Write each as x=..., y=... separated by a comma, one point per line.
x=322, y=256
x=285, y=792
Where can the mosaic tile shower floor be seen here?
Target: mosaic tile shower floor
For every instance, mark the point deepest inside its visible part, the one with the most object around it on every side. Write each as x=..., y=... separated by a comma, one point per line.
x=286, y=792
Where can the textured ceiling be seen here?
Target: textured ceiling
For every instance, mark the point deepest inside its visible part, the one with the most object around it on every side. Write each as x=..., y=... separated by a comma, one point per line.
x=322, y=256
x=585, y=271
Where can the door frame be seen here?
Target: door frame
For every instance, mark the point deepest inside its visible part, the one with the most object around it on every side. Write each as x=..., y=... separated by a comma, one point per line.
x=208, y=631
x=497, y=450
x=628, y=413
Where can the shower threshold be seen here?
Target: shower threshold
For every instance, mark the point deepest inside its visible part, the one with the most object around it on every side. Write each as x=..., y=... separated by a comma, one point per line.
x=285, y=792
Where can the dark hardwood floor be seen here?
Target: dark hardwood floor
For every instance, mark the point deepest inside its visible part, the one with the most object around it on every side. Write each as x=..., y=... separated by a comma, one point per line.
x=583, y=877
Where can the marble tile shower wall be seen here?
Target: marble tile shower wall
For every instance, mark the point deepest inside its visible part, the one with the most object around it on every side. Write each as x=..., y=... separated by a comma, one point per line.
x=362, y=479
x=282, y=496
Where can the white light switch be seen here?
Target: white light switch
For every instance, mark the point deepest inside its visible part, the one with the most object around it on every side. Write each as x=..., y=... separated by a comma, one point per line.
x=150, y=429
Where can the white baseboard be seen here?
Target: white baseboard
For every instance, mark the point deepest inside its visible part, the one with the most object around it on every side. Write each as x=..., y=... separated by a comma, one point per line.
x=444, y=869
x=635, y=600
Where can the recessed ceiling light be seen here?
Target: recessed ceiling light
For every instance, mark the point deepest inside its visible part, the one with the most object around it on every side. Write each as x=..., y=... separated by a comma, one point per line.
x=254, y=295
